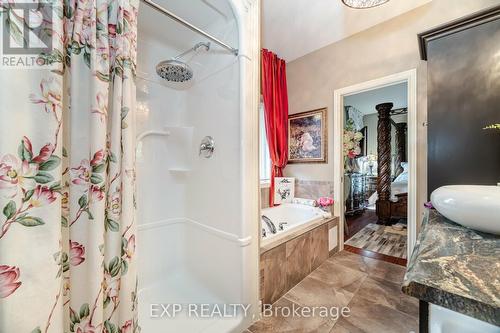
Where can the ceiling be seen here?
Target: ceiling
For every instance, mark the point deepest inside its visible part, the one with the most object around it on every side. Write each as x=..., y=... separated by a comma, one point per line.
x=366, y=101
x=294, y=28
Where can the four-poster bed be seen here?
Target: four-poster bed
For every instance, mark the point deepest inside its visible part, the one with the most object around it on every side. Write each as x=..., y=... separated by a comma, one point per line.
x=391, y=206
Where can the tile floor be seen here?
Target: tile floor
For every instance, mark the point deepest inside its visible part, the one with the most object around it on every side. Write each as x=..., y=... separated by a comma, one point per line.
x=369, y=287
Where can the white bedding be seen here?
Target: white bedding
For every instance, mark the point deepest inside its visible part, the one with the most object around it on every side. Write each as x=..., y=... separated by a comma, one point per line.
x=396, y=188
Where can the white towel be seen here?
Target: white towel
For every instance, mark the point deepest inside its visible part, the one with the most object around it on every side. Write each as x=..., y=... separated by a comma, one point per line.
x=326, y=215
x=307, y=202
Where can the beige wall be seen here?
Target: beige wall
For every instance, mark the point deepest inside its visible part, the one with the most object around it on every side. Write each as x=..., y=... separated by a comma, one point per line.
x=385, y=49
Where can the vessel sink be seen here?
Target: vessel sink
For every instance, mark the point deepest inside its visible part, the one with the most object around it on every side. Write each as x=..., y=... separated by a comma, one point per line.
x=473, y=206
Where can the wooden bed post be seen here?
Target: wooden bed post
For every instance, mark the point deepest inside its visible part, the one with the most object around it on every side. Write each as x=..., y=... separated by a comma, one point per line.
x=384, y=162
x=400, y=147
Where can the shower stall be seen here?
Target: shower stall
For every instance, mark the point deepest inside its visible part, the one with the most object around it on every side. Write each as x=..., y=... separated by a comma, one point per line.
x=197, y=179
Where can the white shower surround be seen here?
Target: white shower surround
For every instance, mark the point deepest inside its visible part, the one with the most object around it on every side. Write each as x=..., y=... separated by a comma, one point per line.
x=211, y=254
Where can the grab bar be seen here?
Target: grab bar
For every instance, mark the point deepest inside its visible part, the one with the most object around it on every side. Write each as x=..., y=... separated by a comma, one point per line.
x=149, y=133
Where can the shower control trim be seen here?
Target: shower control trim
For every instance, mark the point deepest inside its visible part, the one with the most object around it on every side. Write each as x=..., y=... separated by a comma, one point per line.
x=207, y=147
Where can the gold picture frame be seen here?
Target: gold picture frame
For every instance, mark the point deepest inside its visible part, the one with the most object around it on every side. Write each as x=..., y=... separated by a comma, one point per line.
x=308, y=137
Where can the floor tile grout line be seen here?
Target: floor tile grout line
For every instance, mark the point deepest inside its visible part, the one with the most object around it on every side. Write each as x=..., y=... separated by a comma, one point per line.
x=367, y=271
x=390, y=307
x=371, y=273
x=350, y=301
x=364, y=278
x=300, y=305
x=370, y=300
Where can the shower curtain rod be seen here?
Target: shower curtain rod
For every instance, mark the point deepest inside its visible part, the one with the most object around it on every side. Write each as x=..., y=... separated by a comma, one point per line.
x=189, y=25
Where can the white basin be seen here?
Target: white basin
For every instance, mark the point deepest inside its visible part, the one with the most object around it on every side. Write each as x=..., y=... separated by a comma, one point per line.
x=473, y=206
x=443, y=320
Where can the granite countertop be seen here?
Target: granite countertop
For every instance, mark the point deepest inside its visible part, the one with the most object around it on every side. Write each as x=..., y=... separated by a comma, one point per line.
x=456, y=268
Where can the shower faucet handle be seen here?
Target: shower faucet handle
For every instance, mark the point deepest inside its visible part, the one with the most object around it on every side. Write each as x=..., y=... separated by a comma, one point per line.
x=281, y=225
x=207, y=147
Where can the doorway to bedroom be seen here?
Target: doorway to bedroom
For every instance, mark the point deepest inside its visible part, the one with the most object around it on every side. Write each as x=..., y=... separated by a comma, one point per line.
x=367, y=136
x=375, y=169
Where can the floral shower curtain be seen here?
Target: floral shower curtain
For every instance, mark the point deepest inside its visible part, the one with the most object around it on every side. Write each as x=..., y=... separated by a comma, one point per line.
x=67, y=177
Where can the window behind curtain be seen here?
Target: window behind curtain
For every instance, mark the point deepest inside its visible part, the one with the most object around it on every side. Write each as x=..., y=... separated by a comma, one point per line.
x=265, y=160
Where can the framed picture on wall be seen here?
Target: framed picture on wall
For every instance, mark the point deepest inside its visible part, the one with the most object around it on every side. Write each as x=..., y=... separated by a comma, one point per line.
x=284, y=189
x=307, y=137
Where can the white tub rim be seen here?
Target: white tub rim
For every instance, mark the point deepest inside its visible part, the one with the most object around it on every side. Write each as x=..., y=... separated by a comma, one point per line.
x=275, y=240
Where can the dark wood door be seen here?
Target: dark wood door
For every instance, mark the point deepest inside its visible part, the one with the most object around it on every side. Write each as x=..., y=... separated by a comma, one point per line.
x=464, y=97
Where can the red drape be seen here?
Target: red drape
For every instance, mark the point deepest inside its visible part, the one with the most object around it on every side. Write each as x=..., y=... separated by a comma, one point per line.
x=275, y=96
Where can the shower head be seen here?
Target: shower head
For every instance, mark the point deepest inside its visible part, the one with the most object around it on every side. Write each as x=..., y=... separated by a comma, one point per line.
x=174, y=70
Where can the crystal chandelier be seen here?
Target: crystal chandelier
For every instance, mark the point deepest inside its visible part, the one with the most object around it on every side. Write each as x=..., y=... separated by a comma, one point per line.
x=363, y=3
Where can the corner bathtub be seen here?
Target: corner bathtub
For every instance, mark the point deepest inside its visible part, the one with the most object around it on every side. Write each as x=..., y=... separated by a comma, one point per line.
x=298, y=218
x=287, y=257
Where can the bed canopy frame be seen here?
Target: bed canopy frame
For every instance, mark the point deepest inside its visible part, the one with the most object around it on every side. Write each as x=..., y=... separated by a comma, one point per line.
x=386, y=209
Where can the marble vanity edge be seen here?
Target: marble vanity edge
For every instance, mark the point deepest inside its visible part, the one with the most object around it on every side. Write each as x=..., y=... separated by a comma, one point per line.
x=458, y=303
x=463, y=305
x=295, y=234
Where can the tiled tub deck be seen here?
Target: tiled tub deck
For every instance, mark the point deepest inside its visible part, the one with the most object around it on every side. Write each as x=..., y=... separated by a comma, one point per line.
x=287, y=262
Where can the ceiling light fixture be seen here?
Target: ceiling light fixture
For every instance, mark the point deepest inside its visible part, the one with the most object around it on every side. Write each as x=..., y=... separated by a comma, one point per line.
x=361, y=4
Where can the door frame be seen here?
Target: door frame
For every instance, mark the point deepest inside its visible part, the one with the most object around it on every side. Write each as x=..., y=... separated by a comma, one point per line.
x=247, y=13
x=410, y=77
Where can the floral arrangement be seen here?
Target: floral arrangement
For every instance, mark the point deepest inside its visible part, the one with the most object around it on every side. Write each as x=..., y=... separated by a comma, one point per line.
x=325, y=202
x=351, y=140
x=351, y=144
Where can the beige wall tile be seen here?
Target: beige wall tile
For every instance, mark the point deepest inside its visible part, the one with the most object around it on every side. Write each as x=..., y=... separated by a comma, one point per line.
x=273, y=274
x=264, y=197
x=319, y=246
x=305, y=189
x=298, y=263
